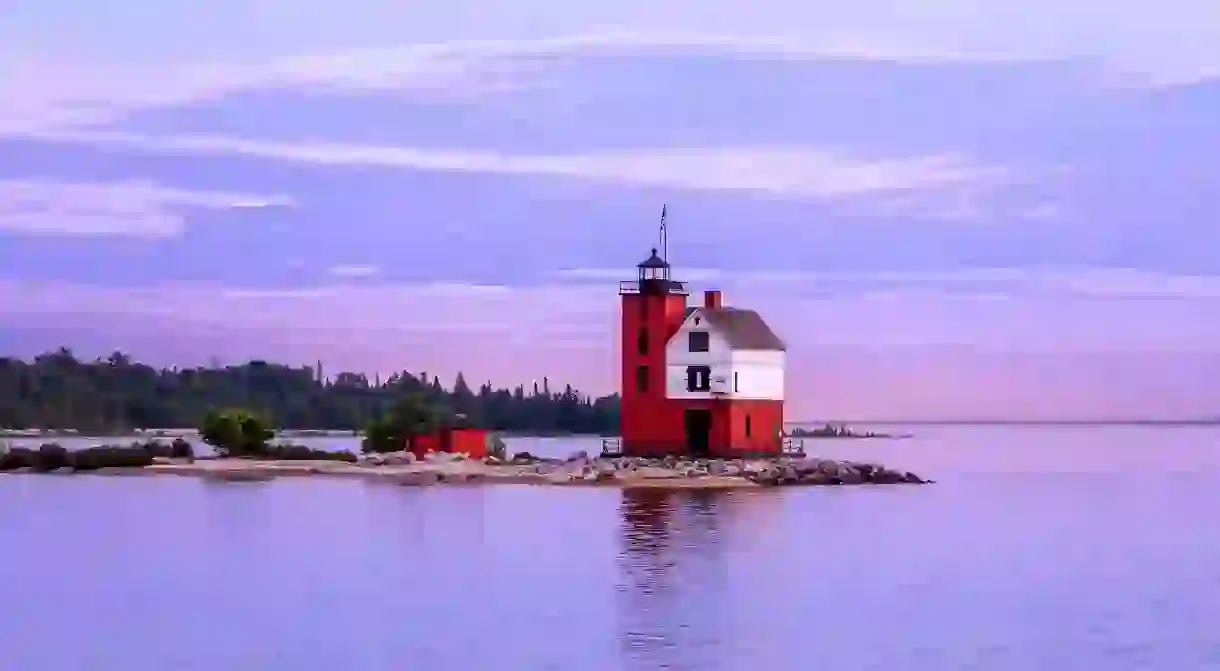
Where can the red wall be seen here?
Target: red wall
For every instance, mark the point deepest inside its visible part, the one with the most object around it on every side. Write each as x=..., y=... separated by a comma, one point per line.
x=644, y=416
x=426, y=443
x=471, y=441
x=766, y=424
x=661, y=427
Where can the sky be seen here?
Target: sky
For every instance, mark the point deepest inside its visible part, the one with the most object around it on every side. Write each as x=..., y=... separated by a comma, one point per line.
x=947, y=209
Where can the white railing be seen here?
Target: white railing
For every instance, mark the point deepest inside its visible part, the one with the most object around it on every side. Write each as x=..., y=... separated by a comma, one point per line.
x=793, y=447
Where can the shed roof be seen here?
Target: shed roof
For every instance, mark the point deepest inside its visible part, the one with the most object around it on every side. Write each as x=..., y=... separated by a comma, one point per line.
x=742, y=329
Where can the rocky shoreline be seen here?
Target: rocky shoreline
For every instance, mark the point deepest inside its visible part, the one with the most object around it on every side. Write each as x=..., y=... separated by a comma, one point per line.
x=402, y=468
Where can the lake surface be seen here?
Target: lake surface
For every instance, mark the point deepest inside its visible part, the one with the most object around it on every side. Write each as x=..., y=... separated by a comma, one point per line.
x=1039, y=548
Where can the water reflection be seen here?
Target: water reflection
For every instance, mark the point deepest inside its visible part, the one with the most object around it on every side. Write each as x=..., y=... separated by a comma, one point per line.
x=673, y=603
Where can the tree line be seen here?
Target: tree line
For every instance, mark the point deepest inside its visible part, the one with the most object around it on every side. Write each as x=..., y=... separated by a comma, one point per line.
x=116, y=394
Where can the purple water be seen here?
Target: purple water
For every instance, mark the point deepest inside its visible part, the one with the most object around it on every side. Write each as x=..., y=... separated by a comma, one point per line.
x=1039, y=548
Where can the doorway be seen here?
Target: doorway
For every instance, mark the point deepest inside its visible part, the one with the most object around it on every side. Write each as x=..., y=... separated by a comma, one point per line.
x=698, y=432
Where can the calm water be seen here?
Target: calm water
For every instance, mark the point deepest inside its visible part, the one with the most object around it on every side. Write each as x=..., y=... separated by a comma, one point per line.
x=1072, y=549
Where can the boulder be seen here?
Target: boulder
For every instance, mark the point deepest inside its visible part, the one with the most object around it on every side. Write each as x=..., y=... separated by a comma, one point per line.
x=887, y=477
x=402, y=458
x=829, y=467
x=767, y=476
x=579, y=455
x=815, y=478
x=441, y=457
x=52, y=456
x=848, y=475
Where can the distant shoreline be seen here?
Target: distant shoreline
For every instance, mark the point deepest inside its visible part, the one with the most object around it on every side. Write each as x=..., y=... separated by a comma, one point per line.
x=349, y=433
x=1020, y=422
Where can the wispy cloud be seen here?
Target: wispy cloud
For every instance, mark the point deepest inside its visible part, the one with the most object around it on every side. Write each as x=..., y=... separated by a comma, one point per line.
x=127, y=208
x=791, y=171
x=354, y=271
x=848, y=350
x=1056, y=282
x=65, y=95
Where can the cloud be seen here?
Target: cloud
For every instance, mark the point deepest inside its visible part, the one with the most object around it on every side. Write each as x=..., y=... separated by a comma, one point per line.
x=1049, y=308
x=1058, y=282
x=128, y=208
x=783, y=171
x=353, y=271
x=923, y=352
x=58, y=95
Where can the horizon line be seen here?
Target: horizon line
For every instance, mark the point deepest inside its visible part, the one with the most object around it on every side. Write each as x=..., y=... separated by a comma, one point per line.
x=1196, y=421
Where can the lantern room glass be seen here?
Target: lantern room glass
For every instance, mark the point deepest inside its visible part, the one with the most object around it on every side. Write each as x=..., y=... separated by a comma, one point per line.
x=654, y=273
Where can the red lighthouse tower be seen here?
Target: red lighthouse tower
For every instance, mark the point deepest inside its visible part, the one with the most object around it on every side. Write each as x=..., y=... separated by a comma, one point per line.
x=698, y=381
x=654, y=306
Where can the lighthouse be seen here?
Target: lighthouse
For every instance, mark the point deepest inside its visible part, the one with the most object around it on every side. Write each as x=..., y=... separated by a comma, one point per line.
x=705, y=380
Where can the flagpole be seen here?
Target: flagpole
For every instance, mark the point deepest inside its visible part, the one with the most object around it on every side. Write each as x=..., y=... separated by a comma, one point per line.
x=664, y=236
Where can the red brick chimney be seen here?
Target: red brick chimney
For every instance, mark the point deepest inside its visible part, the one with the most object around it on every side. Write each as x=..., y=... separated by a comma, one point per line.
x=711, y=299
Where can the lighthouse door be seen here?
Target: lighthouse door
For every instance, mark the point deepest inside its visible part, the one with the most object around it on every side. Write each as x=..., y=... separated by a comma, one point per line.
x=698, y=432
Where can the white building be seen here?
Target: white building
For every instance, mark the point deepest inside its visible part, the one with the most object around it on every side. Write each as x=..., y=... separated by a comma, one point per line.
x=724, y=352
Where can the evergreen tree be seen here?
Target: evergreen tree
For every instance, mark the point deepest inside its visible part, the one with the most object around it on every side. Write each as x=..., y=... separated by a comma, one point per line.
x=116, y=394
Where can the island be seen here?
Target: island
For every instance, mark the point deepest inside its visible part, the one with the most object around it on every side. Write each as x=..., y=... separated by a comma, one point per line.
x=438, y=468
x=838, y=431
x=246, y=442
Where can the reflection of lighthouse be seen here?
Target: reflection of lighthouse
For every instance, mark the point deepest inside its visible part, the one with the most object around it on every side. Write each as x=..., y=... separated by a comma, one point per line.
x=672, y=579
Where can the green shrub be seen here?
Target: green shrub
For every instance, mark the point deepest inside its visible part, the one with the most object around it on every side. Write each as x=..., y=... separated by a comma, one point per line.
x=236, y=432
x=411, y=415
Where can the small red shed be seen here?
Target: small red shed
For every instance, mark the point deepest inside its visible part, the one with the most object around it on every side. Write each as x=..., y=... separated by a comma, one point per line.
x=472, y=442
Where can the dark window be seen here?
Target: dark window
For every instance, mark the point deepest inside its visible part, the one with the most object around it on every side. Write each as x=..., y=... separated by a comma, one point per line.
x=699, y=341
x=641, y=342
x=747, y=426
x=735, y=382
x=698, y=378
x=641, y=378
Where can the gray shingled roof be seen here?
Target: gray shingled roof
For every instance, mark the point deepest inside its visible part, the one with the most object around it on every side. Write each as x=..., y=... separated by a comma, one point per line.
x=743, y=329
